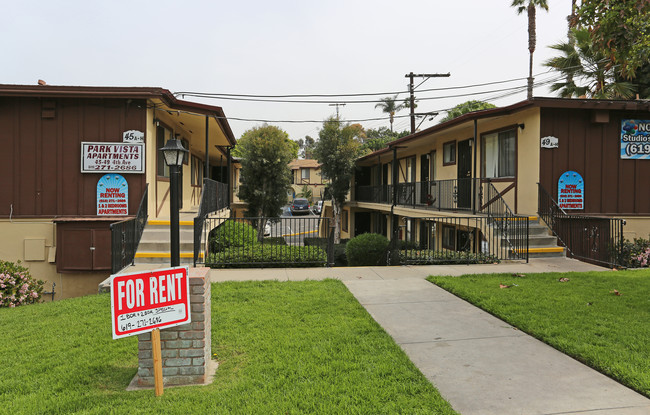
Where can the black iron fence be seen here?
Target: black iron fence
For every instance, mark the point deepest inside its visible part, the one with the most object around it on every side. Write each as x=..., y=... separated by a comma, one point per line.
x=268, y=242
x=126, y=234
x=593, y=239
x=214, y=197
x=460, y=240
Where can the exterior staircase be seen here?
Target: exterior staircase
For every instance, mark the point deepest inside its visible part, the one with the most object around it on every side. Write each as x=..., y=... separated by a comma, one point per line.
x=155, y=248
x=541, y=241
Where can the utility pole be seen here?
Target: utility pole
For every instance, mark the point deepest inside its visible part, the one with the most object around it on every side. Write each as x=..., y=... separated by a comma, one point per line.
x=337, y=105
x=426, y=76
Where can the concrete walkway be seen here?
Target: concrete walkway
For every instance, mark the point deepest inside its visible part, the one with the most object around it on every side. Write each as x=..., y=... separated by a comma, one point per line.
x=480, y=364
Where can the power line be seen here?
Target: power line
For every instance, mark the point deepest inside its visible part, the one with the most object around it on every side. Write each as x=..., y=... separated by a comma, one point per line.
x=287, y=101
x=214, y=94
x=508, y=92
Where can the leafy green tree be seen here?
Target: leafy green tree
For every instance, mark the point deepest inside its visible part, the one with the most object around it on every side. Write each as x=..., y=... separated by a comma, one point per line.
x=531, y=7
x=376, y=139
x=266, y=152
x=620, y=31
x=293, y=145
x=390, y=106
x=307, y=146
x=337, y=151
x=586, y=70
x=465, y=107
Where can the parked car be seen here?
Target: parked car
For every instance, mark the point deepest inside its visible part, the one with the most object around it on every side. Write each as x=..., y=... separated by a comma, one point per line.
x=299, y=206
x=318, y=207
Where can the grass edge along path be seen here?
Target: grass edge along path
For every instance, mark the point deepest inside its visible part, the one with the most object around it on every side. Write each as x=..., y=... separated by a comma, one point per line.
x=598, y=318
x=283, y=348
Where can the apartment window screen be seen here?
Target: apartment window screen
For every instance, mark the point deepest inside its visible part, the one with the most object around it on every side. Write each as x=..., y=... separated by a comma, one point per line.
x=499, y=154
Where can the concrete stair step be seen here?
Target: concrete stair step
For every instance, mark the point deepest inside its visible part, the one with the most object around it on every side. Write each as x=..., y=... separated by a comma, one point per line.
x=164, y=235
x=162, y=258
x=537, y=240
x=164, y=246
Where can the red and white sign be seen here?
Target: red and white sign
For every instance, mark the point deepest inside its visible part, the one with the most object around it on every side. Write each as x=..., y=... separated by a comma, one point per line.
x=143, y=301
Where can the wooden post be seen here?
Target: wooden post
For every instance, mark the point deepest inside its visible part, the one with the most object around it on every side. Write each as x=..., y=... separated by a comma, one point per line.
x=157, y=361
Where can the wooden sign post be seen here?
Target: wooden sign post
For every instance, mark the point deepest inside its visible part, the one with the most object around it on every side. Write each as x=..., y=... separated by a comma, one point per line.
x=157, y=361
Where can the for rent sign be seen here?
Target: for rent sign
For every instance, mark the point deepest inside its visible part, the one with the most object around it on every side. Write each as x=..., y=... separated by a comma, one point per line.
x=141, y=302
x=112, y=157
x=571, y=191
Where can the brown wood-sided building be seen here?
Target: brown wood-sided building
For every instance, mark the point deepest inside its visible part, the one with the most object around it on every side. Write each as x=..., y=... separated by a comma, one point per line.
x=50, y=217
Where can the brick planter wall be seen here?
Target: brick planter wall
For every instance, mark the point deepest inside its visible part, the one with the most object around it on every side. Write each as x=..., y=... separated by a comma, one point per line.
x=186, y=349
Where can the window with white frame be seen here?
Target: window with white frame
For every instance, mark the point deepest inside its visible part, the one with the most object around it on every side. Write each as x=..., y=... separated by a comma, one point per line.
x=304, y=174
x=449, y=153
x=499, y=154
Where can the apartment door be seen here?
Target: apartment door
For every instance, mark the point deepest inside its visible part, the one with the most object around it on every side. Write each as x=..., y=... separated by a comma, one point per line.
x=361, y=223
x=424, y=178
x=464, y=165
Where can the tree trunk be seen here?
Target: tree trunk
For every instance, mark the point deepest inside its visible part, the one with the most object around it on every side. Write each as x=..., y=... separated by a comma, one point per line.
x=336, y=213
x=531, y=46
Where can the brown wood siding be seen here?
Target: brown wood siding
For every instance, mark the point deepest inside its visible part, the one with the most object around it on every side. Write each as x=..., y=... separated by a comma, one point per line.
x=41, y=166
x=612, y=186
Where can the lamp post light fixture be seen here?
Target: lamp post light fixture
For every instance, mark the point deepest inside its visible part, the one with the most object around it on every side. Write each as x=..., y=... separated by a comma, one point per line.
x=174, y=153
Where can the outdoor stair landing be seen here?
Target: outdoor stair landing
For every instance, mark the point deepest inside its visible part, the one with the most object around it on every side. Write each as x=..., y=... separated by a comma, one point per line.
x=155, y=248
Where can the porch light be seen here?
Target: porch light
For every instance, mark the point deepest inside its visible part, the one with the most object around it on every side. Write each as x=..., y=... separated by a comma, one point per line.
x=174, y=152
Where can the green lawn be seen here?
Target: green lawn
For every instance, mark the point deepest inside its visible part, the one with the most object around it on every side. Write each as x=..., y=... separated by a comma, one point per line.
x=283, y=347
x=583, y=317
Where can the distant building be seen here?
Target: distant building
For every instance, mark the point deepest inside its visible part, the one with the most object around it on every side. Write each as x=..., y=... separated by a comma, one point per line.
x=306, y=174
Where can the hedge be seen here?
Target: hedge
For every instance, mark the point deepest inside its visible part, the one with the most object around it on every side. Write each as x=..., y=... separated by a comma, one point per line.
x=430, y=257
x=367, y=249
x=268, y=256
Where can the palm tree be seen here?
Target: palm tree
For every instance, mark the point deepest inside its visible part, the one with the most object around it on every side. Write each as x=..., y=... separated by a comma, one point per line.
x=530, y=6
x=582, y=62
x=389, y=106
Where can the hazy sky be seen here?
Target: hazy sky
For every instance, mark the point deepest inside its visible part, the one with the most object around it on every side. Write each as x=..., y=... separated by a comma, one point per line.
x=281, y=47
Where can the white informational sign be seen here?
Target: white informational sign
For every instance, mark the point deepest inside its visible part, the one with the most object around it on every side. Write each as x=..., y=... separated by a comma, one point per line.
x=550, y=142
x=133, y=136
x=112, y=157
x=144, y=301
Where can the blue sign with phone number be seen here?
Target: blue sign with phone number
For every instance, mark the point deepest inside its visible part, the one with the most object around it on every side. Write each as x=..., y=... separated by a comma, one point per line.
x=635, y=139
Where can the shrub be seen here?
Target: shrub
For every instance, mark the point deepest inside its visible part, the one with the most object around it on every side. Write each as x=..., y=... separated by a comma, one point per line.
x=635, y=254
x=232, y=234
x=275, y=240
x=407, y=245
x=269, y=256
x=431, y=257
x=17, y=287
x=367, y=249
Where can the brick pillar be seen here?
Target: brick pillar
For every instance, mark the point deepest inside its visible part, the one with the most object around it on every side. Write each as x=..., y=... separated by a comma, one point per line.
x=186, y=349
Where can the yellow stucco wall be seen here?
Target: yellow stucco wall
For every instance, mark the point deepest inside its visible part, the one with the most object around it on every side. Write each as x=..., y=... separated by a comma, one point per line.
x=528, y=151
x=12, y=248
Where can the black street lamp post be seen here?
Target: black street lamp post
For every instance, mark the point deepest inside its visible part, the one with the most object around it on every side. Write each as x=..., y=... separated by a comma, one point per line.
x=174, y=152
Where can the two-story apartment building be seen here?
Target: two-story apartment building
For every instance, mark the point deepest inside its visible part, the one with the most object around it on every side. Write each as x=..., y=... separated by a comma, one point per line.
x=75, y=160
x=589, y=156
